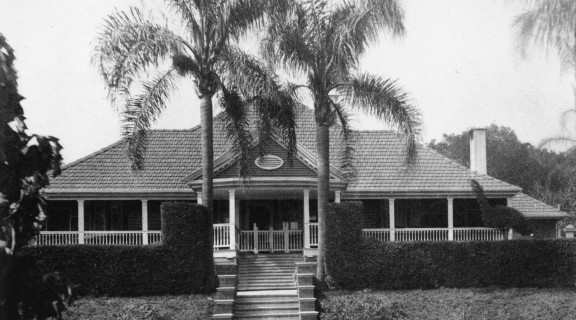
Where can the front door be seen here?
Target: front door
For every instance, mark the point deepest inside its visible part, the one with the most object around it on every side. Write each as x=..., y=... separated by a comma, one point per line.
x=261, y=216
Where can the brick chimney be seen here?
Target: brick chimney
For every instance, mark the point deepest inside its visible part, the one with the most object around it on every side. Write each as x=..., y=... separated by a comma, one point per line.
x=478, y=150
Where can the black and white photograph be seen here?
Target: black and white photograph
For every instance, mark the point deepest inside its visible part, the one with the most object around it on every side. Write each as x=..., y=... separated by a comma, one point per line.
x=288, y=159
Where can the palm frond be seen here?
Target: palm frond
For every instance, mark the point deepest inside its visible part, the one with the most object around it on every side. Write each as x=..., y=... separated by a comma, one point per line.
x=273, y=101
x=347, y=138
x=236, y=125
x=385, y=100
x=287, y=42
x=359, y=23
x=128, y=45
x=143, y=110
x=558, y=141
x=549, y=24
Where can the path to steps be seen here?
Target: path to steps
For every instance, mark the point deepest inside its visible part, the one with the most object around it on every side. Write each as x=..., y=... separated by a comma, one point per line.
x=266, y=287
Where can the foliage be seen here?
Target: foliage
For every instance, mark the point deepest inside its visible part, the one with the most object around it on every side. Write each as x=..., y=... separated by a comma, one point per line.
x=185, y=307
x=179, y=266
x=26, y=161
x=458, y=304
x=426, y=265
x=500, y=217
x=322, y=42
x=140, y=57
x=360, y=307
x=550, y=24
x=544, y=175
x=343, y=234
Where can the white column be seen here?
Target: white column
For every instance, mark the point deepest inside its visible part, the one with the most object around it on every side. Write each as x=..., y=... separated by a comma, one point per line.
x=232, y=217
x=144, y=222
x=450, y=219
x=392, y=218
x=337, y=196
x=199, y=197
x=306, y=219
x=80, y=221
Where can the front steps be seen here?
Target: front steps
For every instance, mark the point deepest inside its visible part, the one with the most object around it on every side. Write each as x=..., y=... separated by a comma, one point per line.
x=267, y=287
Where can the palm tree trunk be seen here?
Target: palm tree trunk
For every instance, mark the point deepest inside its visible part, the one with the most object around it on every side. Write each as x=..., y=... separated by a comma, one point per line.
x=323, y=148
x=207, y=136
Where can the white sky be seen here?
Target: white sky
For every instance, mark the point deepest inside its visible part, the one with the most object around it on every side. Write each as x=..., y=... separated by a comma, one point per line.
x=458, y=61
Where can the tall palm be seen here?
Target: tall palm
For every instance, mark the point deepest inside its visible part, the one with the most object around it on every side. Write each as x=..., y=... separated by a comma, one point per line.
x=140, y=60
x=551, y=24
x=323, y=42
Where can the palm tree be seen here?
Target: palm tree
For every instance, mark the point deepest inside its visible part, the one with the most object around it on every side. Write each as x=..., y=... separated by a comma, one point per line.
x=140, y=59
x=323, y=42
x=552, y=25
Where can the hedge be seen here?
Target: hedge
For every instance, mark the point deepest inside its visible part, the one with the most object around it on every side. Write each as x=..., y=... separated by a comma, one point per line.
x=180, y=265
x=368, y=263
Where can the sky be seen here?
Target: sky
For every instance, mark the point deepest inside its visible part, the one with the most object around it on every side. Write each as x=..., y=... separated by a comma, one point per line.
x=459, y=62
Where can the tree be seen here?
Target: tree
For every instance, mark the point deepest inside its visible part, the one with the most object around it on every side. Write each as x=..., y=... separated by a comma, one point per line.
x=131, y=48
x=26, y=161
x=508, y=159
x=323, y=42
x=551, y=24
x=500, y=217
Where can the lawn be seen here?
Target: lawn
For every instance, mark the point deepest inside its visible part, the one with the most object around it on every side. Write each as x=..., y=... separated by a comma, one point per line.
x=190, y=307
x=461, y=304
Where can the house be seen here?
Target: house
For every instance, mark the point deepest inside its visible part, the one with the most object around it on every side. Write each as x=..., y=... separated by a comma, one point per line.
x=100, y=200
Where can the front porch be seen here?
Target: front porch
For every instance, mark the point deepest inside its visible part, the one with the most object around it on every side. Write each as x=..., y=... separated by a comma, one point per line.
x=248, y=222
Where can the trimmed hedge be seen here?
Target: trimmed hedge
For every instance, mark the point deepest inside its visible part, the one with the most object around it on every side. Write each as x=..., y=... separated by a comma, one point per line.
x=180, y=265
x=368, y=263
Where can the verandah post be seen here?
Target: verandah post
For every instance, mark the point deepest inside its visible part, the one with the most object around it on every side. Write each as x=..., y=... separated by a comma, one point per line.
x=232, y=218
x=80, y=221
x=144, y=222
x=450, y=219
x=392, y=219
x=255, y=239
x=286, y=237
x=306, y=219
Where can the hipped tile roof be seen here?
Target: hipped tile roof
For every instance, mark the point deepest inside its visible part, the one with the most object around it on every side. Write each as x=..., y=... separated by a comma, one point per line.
x=174, y=154
x=534, y=209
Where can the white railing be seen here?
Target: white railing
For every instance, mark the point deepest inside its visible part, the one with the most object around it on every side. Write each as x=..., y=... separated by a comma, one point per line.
x=433, y=234
x=113, y=237
x=270, y=240
x=51, y=238
x=422, y=234
x=378, y=234
x=221, y=235
x=477, y=234
x=313, y=234
x=54, y=238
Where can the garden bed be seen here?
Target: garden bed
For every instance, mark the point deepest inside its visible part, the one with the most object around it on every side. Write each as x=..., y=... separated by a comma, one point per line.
x=183, y=307
x=485, y=303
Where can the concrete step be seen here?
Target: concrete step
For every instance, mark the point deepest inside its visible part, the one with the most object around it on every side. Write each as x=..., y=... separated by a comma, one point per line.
x=291, y=305
x=268, y=279
x=264, y=288
x=283, y=312
x=267, y=300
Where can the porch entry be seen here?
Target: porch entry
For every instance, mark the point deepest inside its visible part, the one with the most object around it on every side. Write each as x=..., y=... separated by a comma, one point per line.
x=271, y=226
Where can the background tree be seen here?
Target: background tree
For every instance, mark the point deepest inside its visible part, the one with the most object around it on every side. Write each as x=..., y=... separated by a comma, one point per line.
x=322, y=42
x=551, y=24
x=25, y=164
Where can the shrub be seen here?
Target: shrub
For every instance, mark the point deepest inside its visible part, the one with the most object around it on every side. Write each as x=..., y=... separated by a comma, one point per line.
x=178, y=266
x=343, y=236
x=413, y=265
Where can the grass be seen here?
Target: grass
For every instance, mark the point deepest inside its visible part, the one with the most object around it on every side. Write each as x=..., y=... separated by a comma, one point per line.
x=451, y=304
x=189, y=307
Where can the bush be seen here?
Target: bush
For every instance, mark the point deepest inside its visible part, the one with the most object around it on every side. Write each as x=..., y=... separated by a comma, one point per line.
x=413, y=265
x=179, y=266
x=343, y=236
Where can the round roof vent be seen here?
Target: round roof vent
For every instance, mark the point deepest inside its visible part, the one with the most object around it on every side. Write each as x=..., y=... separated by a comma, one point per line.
x=269, y=162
